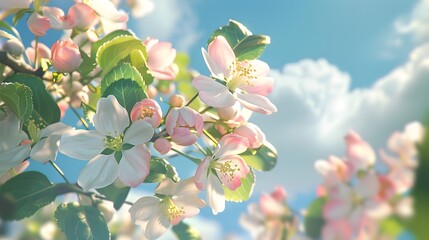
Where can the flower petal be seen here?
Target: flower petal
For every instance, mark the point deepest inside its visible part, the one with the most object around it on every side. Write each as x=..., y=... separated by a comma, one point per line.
x=222, y=55
x=231, y=144
x=100, y=171
x=236, y=169
x=13, y=157
x=46, y=149
x=157, y=225
x=111, y=118
x=256, y=103
x=190, y=205
x=58, y=128
x=82, y=144
x=215, y=194
x=186, y=187
x=10, y=129
x=134, y=165
x=144, y=209
x=166, y=187
x=201, y=173
x=213, y=93
x=139, y=132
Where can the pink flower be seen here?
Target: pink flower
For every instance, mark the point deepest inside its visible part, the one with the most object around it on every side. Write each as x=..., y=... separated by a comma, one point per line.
x=359, y=153
x=43, y=52
x=252, y=133
x=148, y=110
x=337, y=229
x=229, y=167
x=65, y=56
x=334, y=171
x=57, y=18
x=38, y=24
x=161, y=59
x=162, y=145
x=82, y=15
x=245, y=81
x=184, y=125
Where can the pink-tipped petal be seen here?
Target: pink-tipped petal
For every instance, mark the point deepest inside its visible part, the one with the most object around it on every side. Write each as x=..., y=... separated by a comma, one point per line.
x=134, y=165
x=257, y=103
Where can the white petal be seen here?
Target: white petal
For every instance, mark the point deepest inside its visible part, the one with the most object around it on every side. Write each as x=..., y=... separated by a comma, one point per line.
x=231, y=144
x=166, y=187
x=186, y=187
x=111, y=118
x=100, y=171
x=134, y=165
x=10, y=130
x=215, y=194
x=58, y=128
x=139, y=132
x=215, y=70
x=157, y=225
x=257, y=103
x=82, y=144
x=213, y=93
x=144, y=209
x=201, y=173
x=13, y=157
x=46, y=149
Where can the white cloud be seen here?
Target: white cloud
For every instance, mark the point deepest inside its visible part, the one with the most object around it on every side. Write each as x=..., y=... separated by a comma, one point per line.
x=416, y=23
x=317, y=108
x=171, y=20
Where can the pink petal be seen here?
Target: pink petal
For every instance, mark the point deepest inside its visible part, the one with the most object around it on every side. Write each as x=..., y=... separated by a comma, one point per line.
x=202, y=173
x=256, y=103
x=222, y=55
x=215, y=194
x=233, y=169
x=337, y=209
x=231, y=144
x=213, y=93
x=100, y=171
x=134, y=165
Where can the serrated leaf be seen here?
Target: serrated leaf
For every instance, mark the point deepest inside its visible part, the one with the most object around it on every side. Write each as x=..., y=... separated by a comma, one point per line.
x=185, y=232
x=24, y=194
x=137, y=59
x=117, y=195
x=234, y=32
x=122, y=71
x=18, y=97
x=9, y=31
x=112, y=52
x=242, y=193
x=261, y=159
x=45, y=109
x=88, y=64
x=313, y=220
x=127, y=92
x=161, y=169
x=81, y=222
x=106, y=39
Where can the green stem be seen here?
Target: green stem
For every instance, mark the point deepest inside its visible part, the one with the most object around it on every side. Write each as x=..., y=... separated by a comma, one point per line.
x=205, y=110
x=58, y=169
x=192, y=99
x=210, y=137
x=36, y=53
x=104, y=198
x=193, y=159
x=80, y=117
x=200, y=148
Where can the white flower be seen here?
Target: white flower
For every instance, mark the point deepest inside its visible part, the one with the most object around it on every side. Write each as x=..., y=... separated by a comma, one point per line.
x=127, y=157
x=175, y=202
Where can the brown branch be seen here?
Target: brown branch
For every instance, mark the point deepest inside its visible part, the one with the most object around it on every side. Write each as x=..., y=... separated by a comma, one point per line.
x=19, y=66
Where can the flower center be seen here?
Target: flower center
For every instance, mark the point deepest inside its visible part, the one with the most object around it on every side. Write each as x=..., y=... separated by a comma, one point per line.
x=242, y=74
x=146, y=112
x=173, y=211
x=114, y=143
x=226, y=169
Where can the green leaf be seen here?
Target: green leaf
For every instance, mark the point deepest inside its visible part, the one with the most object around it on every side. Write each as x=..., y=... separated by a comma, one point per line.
x=18, y=97
x=18, y=15
x=244, y=192
x=117, y=195
x=81, y=222
x=127, y=92
x=107, y=38
x=161, y=169
x=24, y=194
x=122, y=71
x=88, y=64
x=261, y=159
x=8, y=31
x=112, y=52
x=245, y=45
x=45, y=109
x=185, y=232
x=313, y=220
x=137, y=59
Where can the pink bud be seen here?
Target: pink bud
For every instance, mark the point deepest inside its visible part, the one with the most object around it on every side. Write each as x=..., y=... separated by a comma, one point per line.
x=359, y=153
x=177, y=101
x=148, y=110
x=279, y=194
x=83, y=16
x=161, y=59
x=184, y=125
x=162, y=145
x=253, y=133
x=65, y=56
x=38, y=24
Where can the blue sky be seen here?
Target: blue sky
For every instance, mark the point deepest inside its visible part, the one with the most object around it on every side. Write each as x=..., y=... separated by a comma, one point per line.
x=323, y=54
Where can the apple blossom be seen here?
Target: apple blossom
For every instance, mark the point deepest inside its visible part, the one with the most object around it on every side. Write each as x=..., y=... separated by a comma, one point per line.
x=57, y=19
x=111, y=19
x=253, y=133
x=245, y=81
x=148, y=110
x=65, y=56
x=124, y=143
x=184, y=125
x=162, y=145
x=359, y=153
x=173, y=203
x=38, y=24
x=229, y=167
x=82, y=15
x=161, y=59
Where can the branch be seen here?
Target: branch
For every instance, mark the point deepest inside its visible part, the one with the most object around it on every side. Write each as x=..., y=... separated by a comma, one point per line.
x=19, y=66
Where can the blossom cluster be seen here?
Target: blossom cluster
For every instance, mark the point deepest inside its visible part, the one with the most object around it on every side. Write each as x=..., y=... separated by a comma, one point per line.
x=355, y=199
x=121, y=83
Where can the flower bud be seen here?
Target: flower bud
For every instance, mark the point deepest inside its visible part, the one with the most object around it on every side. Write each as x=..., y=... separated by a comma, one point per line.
x=65, y=56
x=14, y=47
x=177, y=101
x=253, y=133
x=82, y=15
x=162, y=145
x=161, y=59
x=38, y=24
x=184, y=125
x=148, y=110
